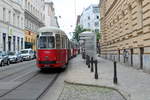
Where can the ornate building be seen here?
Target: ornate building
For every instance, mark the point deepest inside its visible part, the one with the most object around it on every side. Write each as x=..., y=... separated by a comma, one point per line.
x=11, y=25
x=89, y=19
x=125, y=29
x=34, y=19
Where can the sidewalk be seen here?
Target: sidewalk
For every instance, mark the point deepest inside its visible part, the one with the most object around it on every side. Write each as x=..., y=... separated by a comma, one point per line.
x=132, y=84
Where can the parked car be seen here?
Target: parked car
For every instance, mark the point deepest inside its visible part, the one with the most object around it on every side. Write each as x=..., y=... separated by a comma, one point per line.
x=4, y=59
x=15, y=57
x=27, y=54
x=20, y=58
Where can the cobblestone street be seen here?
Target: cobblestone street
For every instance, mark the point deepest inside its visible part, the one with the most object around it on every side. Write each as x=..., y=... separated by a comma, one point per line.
x=79, y=92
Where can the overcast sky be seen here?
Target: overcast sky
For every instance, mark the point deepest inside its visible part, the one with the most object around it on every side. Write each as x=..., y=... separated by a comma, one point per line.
x=66, y=9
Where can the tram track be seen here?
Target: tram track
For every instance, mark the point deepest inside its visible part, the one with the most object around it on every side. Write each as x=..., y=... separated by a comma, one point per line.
x=27, y=78
x=32, y=88
x=11, y=72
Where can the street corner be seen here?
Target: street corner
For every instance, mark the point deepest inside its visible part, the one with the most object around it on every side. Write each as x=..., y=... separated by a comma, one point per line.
x=76, y=91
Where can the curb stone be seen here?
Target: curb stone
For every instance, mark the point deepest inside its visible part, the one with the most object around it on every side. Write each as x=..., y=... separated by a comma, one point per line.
x=124, y=94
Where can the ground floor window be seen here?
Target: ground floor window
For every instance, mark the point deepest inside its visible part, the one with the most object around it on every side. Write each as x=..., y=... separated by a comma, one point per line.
x=4, y=41
x=14, y=43
x=21, y=43
x=9, y=43
x=18, y=40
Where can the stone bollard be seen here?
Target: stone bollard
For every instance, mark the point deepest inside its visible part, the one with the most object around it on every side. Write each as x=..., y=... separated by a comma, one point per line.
x=92, y=64
x=115, y=80
x=96, y=72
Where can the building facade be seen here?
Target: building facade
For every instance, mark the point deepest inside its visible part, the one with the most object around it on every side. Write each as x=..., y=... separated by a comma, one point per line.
x=50, y=18
x=125, y=29
x=34, y=19
x=89, y=18
x=11, y=25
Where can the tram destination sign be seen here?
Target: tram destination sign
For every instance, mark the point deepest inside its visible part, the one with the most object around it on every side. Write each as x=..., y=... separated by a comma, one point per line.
x=47, y=33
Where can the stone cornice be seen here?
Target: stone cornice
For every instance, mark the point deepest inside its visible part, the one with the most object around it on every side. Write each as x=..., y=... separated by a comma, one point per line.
x=11, y=25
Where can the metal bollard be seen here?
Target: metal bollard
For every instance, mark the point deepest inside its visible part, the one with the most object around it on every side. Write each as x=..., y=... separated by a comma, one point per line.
x=115, y=80
x=88, y=61
x=92, y=64
x=96, y=72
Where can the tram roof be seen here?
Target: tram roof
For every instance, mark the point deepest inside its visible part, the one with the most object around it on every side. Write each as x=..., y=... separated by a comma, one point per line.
x=51, y=29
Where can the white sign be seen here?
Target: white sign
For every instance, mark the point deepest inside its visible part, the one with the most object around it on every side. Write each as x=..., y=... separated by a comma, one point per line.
x=89, y=43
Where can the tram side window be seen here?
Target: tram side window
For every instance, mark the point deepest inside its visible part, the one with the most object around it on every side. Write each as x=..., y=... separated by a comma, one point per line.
x=51, y=42
x=63, y=42
x=58, y=43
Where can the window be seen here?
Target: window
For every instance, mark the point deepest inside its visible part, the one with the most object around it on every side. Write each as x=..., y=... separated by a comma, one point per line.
x=95, y=10
x=88, y=24
x=46, y=42
x=96, y=24
x=14, y=43
x=9, y=43
x=18, y=42
x=4, y=14
x=18, y=21
x=31, y=9
x=21, y=23
x=9, y=16
x=14, y=19
x=88, y=17
x=97, y=17
x=26, y=4
x=58, y=41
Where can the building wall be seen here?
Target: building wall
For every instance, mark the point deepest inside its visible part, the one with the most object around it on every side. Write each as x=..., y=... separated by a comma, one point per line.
x=11, y=25
x=34, y=19
x=125, y=27
x=90, y=19
x=50, y=18
x=30, y=40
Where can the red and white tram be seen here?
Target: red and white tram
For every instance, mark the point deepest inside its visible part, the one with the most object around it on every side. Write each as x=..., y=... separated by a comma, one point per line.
x=52, y=48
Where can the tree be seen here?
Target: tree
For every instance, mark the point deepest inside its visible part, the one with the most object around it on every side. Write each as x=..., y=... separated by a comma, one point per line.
x=98, y=35
x=79, y=29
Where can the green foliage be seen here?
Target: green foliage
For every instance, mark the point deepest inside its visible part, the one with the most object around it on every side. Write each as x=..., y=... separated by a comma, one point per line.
x=79, y=29
x=98, y=35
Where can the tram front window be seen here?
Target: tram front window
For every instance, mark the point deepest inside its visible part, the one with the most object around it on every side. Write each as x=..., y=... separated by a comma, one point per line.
x=46, y=42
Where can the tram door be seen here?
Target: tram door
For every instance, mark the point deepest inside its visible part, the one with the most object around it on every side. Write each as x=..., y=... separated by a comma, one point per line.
x=58, y=43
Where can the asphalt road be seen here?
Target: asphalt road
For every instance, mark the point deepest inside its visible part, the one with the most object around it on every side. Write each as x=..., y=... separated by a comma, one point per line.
x=23, y=81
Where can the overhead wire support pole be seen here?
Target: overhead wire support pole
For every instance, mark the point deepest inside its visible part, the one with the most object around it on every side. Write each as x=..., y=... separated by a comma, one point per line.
x=75, y=8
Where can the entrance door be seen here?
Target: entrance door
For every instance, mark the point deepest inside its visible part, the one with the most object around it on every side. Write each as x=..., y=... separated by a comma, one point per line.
x=4, y=41
x=131, y=57
x=9, y=43
x=141, y=57
x=119, y=55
